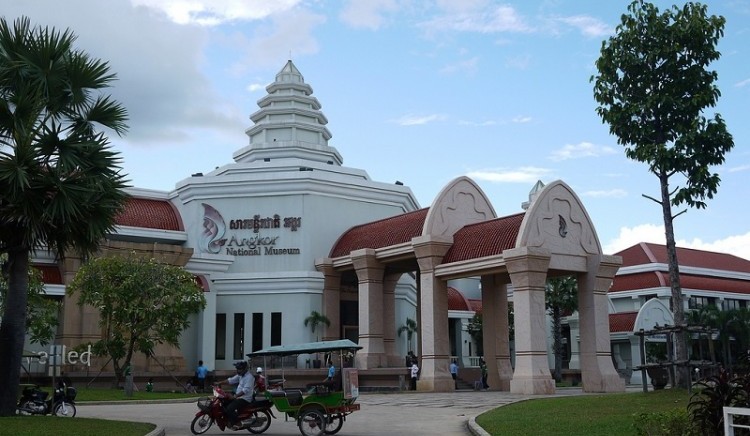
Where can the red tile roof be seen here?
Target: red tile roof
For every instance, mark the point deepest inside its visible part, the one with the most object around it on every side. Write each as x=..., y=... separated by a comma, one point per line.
x=50, y=273
x=657, y=279
x=475, y=305
x=383, y=233
x=622, y=322
x=457, y=300
x=645, y=253
x=484, y=239
x=150, y=214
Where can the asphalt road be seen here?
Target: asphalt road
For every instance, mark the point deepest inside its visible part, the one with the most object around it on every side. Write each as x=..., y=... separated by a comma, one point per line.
x=426, y=413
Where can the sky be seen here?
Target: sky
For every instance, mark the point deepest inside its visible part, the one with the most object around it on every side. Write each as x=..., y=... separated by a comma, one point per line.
x=416, y=91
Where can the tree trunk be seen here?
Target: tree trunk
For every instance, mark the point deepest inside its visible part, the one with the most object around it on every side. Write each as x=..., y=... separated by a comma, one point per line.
x=682, y=378
x=557, y=348
x=13, y=329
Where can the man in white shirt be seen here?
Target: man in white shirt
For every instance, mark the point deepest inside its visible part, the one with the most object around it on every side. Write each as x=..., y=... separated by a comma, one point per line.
x=243, y=394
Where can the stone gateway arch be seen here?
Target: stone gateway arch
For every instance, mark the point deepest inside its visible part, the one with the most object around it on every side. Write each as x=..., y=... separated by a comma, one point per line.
x=460, y=236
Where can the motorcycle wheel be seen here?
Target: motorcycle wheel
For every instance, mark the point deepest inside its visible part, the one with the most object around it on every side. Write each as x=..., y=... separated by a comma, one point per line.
x=262, y=414
x=334, y=424
x=64, y=410
x=201, y=424
x=311, y=423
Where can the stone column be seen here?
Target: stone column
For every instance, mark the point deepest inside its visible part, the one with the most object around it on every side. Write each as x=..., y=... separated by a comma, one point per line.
x=207, y=329
x=331, y=298
x=495, y=335
x=527, y=267
x=435, y=358
x=575, y=345
x=370, y=277
x=597, y=371
x=389, y=320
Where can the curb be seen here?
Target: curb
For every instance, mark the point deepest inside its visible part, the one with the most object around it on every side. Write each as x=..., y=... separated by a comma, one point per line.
x=116, y=402
x=474, y=428
x=158, y=431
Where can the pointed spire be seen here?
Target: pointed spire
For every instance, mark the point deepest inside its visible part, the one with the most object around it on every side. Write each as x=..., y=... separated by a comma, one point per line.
x=538, y=186
x=289, y=74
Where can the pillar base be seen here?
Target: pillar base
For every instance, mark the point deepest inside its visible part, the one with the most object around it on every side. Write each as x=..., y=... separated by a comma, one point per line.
x=604, y=384
x=441, y=384
x=371, y=360
x=532, y=386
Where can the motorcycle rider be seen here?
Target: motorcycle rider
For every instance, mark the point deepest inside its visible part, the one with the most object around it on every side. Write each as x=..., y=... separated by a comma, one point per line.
x=243, y=394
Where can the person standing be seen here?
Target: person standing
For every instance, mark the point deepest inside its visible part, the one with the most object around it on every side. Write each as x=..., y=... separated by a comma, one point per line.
x=483, y=366
x=414, y=375
x=200, y=374
x=454, y=373
x=242, y=395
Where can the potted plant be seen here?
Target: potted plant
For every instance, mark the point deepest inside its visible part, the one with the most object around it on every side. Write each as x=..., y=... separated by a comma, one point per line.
x=313, y=321
x=656, y=352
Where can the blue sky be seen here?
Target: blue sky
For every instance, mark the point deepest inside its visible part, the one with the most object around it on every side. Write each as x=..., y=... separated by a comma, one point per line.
x=415, y=91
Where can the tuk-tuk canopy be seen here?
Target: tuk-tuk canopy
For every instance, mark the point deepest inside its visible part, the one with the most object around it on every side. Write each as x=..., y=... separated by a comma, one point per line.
x=306, y=348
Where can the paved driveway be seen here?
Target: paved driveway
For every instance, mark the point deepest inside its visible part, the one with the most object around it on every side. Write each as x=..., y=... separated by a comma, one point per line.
x=396, y=414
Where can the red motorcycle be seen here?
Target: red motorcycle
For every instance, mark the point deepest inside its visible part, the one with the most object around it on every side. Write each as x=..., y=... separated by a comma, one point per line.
x=255, y=417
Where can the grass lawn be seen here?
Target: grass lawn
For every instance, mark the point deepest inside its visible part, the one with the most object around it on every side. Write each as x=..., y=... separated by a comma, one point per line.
x=590, y=415
x=46, y=425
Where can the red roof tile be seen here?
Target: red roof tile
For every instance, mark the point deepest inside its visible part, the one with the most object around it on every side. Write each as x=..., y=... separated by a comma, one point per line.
x=645, y=253
x=150, y=214
x=622, y=322
x=50, y=273
x=484, y=239
x=657, y=279
x=475, y=305
x=457, y=300
x=383, y=233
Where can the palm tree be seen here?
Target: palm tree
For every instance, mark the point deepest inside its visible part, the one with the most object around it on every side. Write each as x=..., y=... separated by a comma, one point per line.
x=315, y=319
x=732, y=323
x=410, y=328
x=60, y=181
x=561, y=298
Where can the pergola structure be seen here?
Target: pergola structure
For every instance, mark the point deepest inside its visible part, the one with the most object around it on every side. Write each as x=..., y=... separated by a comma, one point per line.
x=460, y=236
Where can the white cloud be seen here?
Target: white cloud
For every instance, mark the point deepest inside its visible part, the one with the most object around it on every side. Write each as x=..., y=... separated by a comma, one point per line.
x=521, y=119
x=738, y=245
x=416, y=120
x=212, y=13
x=367, y=13
x=583, y=149
x=504, y=175
x=742, y=83
x=612, y=193
x=588, y=26
x=255, y=87
x=739, y=168
x=476, y=17
x=477, y=123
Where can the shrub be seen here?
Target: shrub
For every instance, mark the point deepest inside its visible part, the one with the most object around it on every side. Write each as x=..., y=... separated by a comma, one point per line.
x=712, y=395
x=671, y=423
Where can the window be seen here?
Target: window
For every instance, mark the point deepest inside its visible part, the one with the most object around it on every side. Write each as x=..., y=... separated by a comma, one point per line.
x=696, y=302
x=732, y=304
x=257, y=331
x=221, y=336
x=239, y=335
x=275, y=328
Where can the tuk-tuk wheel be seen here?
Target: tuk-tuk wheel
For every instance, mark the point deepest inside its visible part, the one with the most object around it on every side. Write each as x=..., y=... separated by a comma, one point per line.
x=334, y=423
x=311, y=422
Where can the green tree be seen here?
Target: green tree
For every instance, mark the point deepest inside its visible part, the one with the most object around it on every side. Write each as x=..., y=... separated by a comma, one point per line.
x=475, y=330
x=561, y=298
x=60, y=181
x=141, y=303
x=730, y=324
x=316, y=319
x=652, y=88
x=41, y=318
x=410, y=328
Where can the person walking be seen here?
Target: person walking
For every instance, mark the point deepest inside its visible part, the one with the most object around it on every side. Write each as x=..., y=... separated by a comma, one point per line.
x=454, y=373
x=200, y=374
x=414, y=375
x=483, y=366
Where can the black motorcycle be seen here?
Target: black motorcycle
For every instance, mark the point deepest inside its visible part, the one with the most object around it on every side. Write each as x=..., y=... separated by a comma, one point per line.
x=34, y=401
